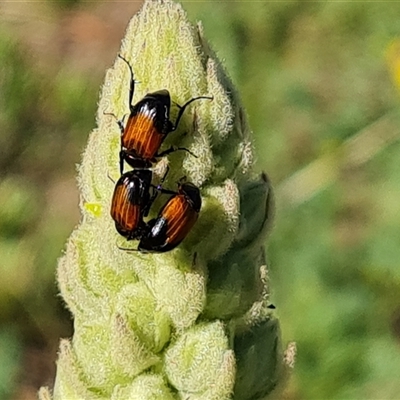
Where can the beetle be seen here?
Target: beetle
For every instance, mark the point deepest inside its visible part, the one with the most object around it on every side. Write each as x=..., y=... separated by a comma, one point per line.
x=174, y=221
x=131, y=202
x=147, y=126
x=132, y=199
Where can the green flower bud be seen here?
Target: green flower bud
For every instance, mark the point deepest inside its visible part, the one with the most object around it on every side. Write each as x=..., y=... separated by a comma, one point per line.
x=189, y=323
x=234, y=284
x=144, y=387
x=258, y=361
x=200, y=364
x=257, y=212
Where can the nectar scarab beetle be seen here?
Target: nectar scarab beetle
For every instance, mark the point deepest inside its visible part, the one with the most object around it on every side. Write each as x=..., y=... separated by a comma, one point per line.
x=174, y=221
x=131, y=202
x=147, y=126
x=133, y=197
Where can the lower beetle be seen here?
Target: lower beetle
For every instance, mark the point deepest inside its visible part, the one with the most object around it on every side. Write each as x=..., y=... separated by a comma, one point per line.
x=131, y=202
x=174, y=221
x=133, y=197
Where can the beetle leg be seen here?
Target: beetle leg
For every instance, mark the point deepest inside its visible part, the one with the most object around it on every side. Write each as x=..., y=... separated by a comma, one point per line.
x=182, y=180
x=110, y=178
x=121, y=161
x=132, y=83
x=172, y=149
x=182, y=109
x=157, y=189
x=146, y=208
x=127, y=249
x=120, y=122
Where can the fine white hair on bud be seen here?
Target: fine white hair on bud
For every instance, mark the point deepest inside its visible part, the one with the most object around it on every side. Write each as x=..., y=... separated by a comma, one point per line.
x=192, y=323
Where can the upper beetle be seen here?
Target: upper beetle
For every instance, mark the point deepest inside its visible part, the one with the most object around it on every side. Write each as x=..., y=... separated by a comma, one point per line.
x=147, y=126
x=173, y=222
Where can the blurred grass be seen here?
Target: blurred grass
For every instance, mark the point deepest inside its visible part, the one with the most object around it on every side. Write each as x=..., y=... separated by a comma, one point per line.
x=315, y=80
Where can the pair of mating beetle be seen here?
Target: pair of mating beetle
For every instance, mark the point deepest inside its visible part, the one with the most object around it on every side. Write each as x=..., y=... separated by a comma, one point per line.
x=147, y=126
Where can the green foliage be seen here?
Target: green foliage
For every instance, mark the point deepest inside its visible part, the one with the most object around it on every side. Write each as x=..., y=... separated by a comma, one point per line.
x=36, y=141
x=10, y=350
x=313, y=75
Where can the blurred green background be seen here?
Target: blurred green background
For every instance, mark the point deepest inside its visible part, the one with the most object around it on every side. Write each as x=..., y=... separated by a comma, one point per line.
x=321, y=85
